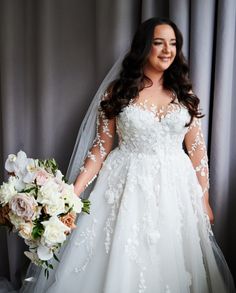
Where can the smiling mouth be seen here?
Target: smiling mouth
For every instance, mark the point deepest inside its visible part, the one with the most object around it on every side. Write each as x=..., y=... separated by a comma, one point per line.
x=164, y=59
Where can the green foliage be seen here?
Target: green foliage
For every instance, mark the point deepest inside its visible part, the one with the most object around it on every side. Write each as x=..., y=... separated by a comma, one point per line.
x=50, y=165
x=38, y=229
x=48, y=266
x=31, y=190
x=56, y=258
x=28, y=190
x=86, y=206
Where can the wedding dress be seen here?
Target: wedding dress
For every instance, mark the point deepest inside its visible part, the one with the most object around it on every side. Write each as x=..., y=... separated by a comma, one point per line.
x=147, y=231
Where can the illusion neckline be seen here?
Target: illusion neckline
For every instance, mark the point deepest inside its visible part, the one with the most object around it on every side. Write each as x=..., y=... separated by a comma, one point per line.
x=159, y=112
x=172, y=108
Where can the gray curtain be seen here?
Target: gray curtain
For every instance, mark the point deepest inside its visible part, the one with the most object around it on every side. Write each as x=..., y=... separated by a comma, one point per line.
x=54, y=54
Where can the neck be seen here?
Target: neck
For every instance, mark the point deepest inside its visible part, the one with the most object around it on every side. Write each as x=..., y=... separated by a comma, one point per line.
x=155, y=76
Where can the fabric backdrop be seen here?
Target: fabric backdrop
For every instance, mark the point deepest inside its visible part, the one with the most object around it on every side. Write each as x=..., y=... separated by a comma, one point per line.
x=54, y=54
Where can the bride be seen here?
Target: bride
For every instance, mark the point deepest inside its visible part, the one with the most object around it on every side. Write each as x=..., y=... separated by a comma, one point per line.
x=149, y=227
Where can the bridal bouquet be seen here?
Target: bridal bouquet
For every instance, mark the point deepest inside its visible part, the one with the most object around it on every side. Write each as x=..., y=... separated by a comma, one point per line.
x=37, y=203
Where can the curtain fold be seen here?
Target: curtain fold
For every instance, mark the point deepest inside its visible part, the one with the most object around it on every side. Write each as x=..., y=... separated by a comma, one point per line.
x=223, y=114
x=179, y=12
x=202, y=52
x=55, y=53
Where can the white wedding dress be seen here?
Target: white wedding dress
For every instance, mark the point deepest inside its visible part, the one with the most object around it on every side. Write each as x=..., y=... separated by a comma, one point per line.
x=147, y=231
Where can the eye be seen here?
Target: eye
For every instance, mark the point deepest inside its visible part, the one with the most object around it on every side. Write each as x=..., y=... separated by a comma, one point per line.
x=157, y=43
x=173, y=44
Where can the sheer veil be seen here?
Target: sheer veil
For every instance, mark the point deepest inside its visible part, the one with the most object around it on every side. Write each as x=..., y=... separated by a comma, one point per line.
x=87, y=129
x=35, y=279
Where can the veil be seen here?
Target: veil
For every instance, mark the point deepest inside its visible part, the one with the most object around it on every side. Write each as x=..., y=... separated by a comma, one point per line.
x=35, y=280
x=87, y=129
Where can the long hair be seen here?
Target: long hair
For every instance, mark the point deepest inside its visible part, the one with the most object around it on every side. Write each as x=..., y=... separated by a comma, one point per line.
x=132, y=79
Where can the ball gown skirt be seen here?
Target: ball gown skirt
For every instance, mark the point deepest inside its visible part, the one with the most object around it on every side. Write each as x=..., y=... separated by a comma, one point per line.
x=147, y=231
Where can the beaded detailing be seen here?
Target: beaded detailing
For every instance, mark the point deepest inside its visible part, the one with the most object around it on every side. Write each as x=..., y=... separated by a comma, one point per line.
x=147, y=188
x=87, y=240
x=196, y=148
x=102, y=145
x=159, y=112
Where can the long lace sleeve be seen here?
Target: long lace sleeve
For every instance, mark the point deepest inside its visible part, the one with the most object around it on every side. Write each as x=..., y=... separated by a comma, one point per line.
x=196, y=148
x=101, y=147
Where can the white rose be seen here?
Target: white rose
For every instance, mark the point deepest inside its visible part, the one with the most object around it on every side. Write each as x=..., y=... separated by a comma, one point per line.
x=54, y=232
x=56, y=207
x=59, y=175
x=48, y=193
x=50, y=197
x=71, y=198
x=7, y=191
x=77, y=207
x=25, y=230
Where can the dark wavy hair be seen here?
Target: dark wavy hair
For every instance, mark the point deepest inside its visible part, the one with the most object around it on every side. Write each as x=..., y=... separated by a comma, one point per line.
x=131, y=79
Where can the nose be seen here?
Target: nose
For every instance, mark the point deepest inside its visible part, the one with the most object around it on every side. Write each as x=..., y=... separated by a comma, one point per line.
x=166, y=47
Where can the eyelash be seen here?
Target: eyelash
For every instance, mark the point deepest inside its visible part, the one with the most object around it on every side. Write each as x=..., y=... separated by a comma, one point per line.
x=160, y=43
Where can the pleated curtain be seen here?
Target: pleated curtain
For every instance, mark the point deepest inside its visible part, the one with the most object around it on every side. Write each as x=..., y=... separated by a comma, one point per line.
x=55, y=53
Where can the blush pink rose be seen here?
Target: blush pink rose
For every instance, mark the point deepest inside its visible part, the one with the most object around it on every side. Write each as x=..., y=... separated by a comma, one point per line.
x=23, y=206
x=42, y=176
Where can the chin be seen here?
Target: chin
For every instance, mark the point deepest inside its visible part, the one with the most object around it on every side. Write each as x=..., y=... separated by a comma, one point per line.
x=163, y=67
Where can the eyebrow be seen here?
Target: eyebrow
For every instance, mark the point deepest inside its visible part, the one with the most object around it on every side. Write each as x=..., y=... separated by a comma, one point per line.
x=163, y=39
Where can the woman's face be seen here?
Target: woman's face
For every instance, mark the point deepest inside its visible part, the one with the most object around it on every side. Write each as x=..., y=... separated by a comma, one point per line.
x=163, y=50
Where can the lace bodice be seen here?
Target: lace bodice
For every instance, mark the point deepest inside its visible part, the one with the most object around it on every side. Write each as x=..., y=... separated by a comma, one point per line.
x=144, y=128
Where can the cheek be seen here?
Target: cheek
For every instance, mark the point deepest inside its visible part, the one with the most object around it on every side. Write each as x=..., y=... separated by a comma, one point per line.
x=154, y=53
x=174, y=52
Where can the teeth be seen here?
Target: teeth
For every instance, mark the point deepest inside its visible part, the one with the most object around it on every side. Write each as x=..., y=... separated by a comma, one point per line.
x=165, y=59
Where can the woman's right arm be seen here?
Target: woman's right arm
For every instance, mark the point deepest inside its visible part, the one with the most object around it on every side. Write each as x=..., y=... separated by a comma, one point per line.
x=101, y=147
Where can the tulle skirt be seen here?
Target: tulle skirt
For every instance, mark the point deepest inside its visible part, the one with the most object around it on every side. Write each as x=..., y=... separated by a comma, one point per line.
x=147, y=232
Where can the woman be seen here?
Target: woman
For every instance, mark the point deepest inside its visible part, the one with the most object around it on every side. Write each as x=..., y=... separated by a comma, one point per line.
x=149, y=228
